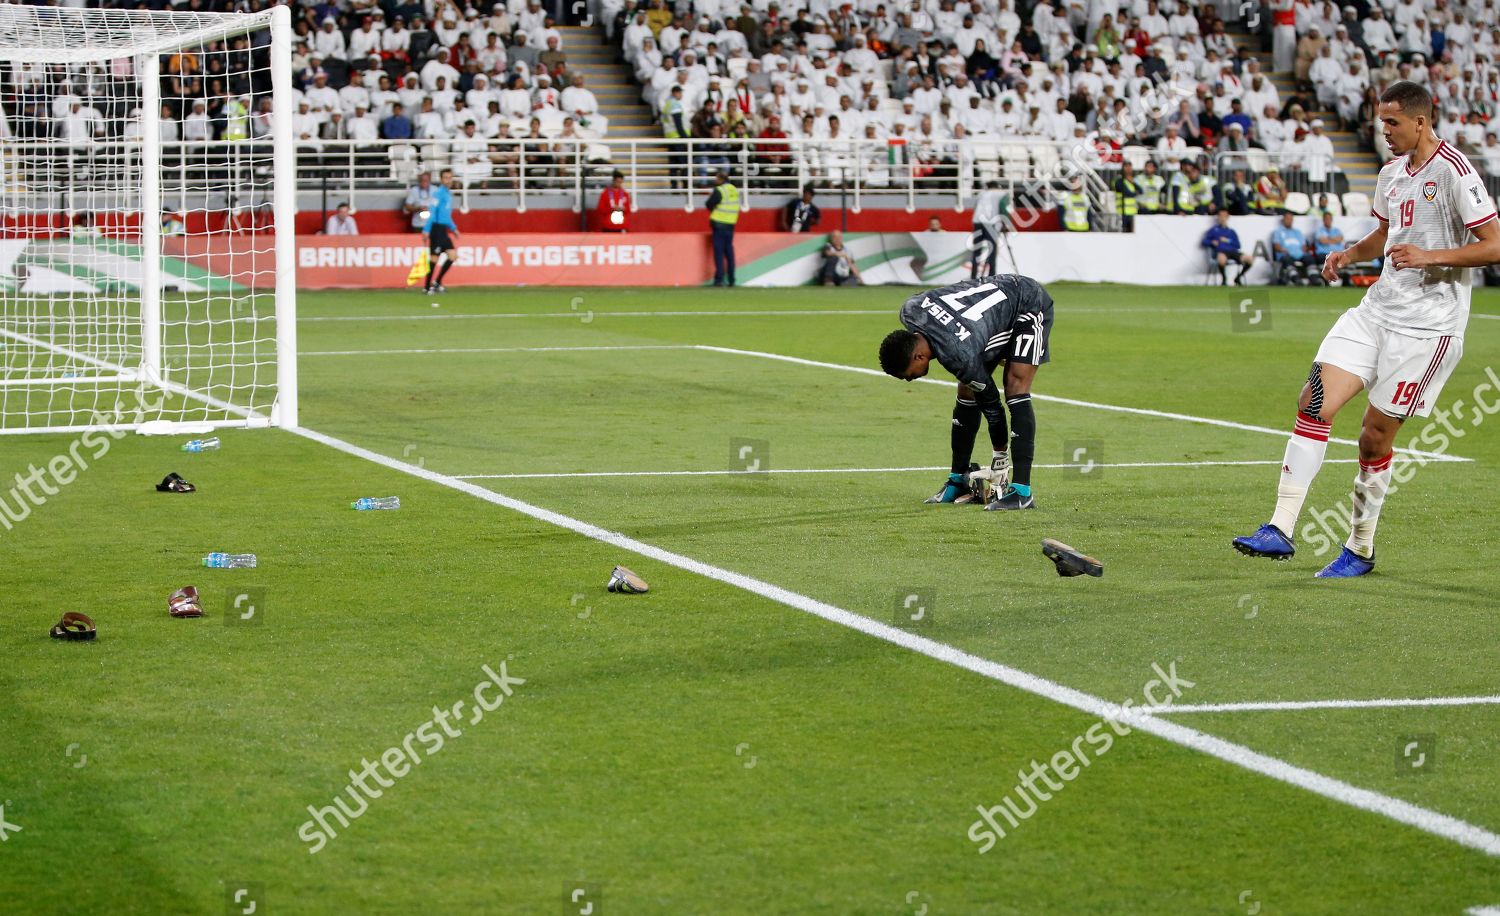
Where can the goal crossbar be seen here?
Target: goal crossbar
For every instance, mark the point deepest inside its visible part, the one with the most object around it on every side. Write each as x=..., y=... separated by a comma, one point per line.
x=42, y=33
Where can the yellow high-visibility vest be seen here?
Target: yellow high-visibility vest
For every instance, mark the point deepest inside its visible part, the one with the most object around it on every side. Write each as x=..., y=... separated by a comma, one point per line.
x=728, y=208
x=1126, y=194
x=1151, y=188
x=236, y=120
x=668, y=123
x=1076, y=212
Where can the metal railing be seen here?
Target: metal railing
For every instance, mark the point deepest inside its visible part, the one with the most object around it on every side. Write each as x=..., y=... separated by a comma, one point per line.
x=1300, y=173
x=538, y=171
x=567, y=172
x=549, y=172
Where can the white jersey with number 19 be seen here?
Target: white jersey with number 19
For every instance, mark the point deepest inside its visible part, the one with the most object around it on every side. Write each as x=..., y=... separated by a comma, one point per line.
x=1434, y=206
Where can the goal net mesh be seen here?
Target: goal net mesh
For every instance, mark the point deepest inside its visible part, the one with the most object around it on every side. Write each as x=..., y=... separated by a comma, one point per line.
x=137, y=219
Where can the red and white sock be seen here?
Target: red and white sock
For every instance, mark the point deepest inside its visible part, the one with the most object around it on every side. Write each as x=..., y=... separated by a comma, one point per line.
x=1304, y=456
x=1370, y=487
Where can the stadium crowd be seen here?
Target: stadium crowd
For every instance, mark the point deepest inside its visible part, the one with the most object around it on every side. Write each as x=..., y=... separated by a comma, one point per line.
x=1102, y=73
x=1095, y=77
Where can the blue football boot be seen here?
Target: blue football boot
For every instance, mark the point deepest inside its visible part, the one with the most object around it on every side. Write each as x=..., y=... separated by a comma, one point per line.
x=1267, y=541
x=1347, y=565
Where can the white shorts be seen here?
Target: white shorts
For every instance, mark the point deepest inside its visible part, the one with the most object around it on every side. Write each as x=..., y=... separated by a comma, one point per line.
x=1403, y=374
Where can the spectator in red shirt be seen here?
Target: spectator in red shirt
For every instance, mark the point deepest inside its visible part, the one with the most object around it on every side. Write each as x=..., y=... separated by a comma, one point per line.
x=614, y=205
x=773, y=155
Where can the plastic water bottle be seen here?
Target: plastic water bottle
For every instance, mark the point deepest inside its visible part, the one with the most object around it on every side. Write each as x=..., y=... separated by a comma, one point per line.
x=202, y=445
x=377, y=502
x=218, y=560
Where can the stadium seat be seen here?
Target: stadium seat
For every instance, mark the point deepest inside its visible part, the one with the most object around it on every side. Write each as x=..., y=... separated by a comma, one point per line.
x=1017, y=162
x=338, y=72
x=403, y=158
x=1137, y=156
x=1335, y=205
x=598, y=152
x=1298, y=203
x=1044, y=157
x=1357, y=203
x=1259, y=160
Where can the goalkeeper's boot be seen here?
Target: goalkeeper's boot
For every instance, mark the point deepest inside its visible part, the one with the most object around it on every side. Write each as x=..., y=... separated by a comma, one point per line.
x=1267, y=541
x=1011, y=500
x=1347, y=565
x=955, y=490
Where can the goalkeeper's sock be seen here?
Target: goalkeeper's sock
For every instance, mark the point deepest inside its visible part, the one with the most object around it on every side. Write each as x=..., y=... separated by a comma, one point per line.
x=1370, y=487
x=1304, y=456
x=1023, y=440
x=999, y=433
x=1021, y=488
x=965, y=431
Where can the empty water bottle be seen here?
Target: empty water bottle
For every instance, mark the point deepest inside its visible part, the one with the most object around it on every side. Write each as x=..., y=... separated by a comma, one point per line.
x=377, y=502
x=202, y=445
x=218, y=560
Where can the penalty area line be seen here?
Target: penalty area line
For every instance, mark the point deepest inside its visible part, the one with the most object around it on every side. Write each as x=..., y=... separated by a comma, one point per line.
x=496, y=350
x=1295, y=705
x=1095, y=405
x=1432, y=822
x=770, y=472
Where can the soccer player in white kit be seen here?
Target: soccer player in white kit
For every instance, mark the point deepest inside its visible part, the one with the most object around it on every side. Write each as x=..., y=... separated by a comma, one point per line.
x=1405, y=338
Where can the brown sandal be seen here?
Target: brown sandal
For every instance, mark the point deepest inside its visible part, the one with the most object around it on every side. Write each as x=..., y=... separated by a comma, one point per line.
x=184, y=603
x=74, y=626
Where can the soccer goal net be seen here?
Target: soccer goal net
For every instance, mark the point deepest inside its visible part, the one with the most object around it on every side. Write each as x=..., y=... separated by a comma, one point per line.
x=147, y=199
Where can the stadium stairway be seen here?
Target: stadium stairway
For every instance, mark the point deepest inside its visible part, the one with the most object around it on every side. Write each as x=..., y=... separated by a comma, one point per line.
x=619, y=100
x=1359, y=165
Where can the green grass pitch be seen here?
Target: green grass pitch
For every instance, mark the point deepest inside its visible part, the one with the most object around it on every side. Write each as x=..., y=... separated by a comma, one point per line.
x=701, y=748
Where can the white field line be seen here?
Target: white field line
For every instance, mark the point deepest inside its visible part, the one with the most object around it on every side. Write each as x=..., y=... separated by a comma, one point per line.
x=1483, y=910
x=494, y=350
x=774, y=471
x=773, y=313
x=1486, y=317
x=1433, y=822
x=1140, y=411
x=797, y=360
x=582, y=314
x=1293, y=705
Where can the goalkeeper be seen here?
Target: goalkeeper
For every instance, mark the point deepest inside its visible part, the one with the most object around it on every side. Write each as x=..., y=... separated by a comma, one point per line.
x=439, y=232
x=971, y=328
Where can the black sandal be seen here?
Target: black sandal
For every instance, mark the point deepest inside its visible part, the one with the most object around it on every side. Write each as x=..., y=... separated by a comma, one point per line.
x=75, y=627
x=172, y=483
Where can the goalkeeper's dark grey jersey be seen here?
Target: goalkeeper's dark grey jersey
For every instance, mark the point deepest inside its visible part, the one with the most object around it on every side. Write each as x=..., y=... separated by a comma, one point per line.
x=973, y=324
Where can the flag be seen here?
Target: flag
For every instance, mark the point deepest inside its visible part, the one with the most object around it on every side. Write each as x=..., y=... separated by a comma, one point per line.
x=418, y=272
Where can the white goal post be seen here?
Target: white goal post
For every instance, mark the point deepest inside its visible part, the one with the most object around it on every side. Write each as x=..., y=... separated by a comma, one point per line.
x=147, y=209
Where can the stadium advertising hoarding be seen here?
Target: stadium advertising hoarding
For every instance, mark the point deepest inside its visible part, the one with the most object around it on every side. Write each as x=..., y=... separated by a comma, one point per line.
x=765, y=259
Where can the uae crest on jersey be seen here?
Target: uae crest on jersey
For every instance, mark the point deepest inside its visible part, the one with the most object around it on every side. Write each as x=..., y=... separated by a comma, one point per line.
x=1429, y=190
